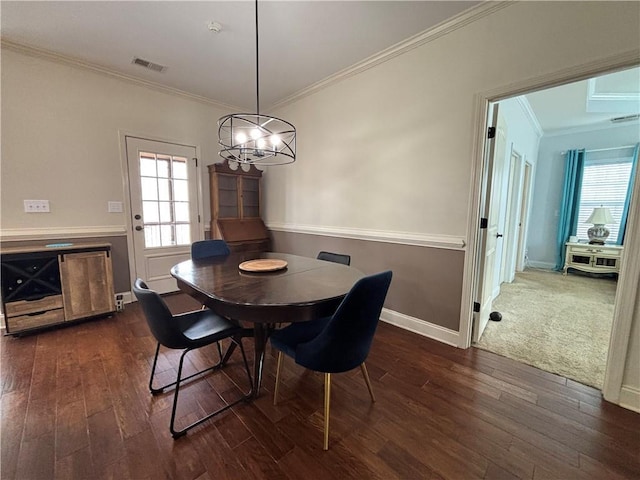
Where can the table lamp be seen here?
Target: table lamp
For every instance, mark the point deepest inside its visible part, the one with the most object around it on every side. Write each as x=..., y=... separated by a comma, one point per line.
x=599, y=218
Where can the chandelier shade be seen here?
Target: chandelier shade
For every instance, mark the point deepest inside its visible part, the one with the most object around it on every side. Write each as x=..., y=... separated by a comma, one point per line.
x=253, y=138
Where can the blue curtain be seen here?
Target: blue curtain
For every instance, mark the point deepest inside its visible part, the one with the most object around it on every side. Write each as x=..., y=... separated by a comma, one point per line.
x=625, y=211
x=574, y=168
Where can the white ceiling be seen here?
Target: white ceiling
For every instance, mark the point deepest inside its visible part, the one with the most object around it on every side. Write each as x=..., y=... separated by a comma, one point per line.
x=301, y=43
x=589, y=103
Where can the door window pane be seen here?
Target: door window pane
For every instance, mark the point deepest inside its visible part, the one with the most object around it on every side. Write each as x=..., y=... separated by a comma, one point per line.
x=163, y=166
x=181, y=190
x=164, y=182
x=164, y=189
x=180, y=168
x=150, y=212
x=181, y=211
x=147, y=165
x=149, y=188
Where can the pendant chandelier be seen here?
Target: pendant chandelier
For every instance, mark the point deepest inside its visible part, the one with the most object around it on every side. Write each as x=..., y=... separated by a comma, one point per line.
x=253, y=138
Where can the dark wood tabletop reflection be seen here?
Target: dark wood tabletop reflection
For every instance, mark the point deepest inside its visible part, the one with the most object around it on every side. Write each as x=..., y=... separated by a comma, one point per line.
x=305, y=290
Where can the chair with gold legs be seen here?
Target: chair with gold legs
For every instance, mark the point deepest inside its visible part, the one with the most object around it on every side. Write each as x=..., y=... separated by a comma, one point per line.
x=338, y=343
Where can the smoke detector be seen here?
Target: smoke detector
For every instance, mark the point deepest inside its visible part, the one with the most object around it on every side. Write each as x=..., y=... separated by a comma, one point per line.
x=214, y=27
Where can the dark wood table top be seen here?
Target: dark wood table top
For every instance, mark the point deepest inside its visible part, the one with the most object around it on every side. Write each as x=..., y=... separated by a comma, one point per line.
x=305, y=290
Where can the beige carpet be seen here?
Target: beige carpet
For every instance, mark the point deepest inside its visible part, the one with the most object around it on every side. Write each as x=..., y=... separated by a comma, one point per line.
x=556, y=323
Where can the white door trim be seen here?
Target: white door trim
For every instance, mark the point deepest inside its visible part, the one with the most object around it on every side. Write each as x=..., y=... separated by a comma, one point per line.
x=124, y=170
x=630, y=267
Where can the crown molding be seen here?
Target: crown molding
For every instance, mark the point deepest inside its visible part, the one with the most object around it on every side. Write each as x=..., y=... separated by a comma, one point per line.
x=459, y=21
x=17, y=234
x=529, y=113
x=589, y=128
x=76, y=62
x=402, y=238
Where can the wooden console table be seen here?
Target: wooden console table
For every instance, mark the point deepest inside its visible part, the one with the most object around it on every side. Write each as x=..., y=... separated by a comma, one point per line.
x=44, y=285
x=593, y=258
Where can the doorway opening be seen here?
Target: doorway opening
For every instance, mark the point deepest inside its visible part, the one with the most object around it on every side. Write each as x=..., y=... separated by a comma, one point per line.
x=559, y=323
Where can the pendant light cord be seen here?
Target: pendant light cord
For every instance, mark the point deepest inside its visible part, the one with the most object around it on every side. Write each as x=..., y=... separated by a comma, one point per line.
x=257, y=66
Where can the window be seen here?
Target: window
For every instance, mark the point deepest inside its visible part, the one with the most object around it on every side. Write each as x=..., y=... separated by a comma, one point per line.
x=165, y=200
x=604, y=183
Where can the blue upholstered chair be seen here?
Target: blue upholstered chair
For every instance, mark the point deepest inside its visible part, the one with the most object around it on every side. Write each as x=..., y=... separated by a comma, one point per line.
x=186, y=332
x=209, y=248
x=338, y=343
x=335, y=257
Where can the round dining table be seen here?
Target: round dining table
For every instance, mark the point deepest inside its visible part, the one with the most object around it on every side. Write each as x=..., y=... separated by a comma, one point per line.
x=290, y=289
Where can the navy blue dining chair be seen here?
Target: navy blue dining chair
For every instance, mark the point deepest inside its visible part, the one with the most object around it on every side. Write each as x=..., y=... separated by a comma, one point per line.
x=338, y=343
x=335, y=257
x=209, y=248
x=186, y=332
x=206, y=249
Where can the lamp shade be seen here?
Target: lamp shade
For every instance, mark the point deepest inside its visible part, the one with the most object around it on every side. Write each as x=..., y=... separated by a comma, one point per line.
x=600, y=216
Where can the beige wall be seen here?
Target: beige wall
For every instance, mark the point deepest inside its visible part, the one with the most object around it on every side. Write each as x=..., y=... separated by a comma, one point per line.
x=388, y=150
x=60, y=139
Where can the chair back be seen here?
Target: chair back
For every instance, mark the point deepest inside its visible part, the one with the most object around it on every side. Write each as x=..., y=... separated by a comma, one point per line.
x=335, y=257
x=159, y=318
x=346, y=339
x=209, y=248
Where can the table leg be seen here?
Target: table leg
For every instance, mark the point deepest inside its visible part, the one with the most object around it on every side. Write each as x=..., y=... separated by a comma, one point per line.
x=260, y=338
x=260, y=334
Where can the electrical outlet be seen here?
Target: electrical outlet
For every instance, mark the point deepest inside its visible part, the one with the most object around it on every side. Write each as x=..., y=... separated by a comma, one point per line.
x=36, y=206
x=119, y=302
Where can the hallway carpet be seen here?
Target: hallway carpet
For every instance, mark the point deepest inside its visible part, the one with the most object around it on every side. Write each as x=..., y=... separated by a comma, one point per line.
x=561, y=324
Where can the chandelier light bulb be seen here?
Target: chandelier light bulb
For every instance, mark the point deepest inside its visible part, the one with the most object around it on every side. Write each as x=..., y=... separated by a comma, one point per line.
x=241, y=137
x=261, y=143
x=275, y=140
x=255, y=134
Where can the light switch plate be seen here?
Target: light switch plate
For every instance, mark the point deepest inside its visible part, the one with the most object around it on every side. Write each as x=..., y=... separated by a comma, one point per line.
x=36, y=206
x=114, y=207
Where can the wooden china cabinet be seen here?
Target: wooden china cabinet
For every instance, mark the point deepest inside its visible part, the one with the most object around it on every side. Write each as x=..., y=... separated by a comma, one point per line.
x=235, y=207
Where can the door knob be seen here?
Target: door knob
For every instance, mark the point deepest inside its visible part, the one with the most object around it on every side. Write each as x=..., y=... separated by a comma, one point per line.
x=138, y=227
x=137, y=216
x=498, y=235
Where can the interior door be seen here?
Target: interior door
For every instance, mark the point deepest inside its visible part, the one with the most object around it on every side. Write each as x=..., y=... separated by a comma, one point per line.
x=163, y=189
x=487, y=268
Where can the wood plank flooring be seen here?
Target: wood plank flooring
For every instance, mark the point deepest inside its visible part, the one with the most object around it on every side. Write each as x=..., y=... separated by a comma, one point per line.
x=75, y=405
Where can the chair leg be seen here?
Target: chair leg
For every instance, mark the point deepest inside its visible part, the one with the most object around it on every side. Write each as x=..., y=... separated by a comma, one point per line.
x=178, y=433
x=327, y=398
x=153, y=371
x=365, y=374
x=275, y=390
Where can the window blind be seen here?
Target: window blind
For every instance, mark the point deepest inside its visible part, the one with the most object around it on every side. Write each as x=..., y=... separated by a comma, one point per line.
x=604, y=183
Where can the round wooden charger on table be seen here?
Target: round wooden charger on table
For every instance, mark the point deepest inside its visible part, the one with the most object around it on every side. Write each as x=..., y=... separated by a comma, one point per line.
x=262, y=265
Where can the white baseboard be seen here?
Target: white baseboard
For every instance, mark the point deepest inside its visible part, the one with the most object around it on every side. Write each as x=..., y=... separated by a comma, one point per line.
x=630, y=398
x=543, y=265
x=415, y=325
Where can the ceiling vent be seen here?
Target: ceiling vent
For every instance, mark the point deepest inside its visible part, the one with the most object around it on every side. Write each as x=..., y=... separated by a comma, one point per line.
x=147, y=64
x=626, y=118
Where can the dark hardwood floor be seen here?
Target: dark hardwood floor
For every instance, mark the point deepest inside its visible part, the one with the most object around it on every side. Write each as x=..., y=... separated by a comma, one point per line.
x=75, y=405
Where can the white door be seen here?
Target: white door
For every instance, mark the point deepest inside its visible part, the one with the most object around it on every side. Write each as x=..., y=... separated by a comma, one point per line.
x=163, y=189
x=491, y=211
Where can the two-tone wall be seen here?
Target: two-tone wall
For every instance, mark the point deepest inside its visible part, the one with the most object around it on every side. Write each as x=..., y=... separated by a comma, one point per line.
x=386, y=151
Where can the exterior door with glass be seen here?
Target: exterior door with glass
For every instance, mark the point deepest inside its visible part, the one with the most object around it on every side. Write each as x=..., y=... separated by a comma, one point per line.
x=163, y=188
